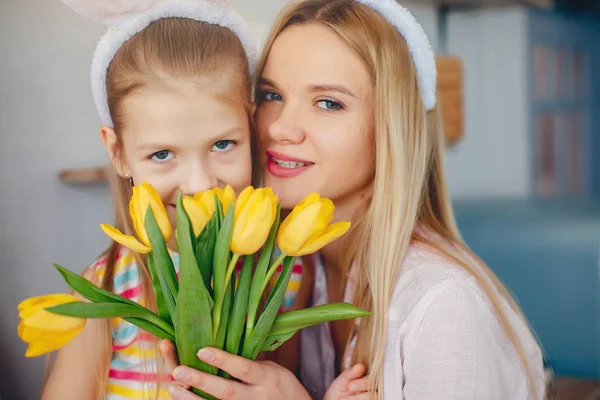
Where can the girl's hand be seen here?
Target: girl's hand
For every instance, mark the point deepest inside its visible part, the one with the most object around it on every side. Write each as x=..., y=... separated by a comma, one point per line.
x=350, y=385
x=258, y=379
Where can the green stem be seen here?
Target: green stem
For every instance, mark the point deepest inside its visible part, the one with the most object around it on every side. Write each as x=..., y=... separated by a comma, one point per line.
x=252, y=311
x=271, y=271
x=219, y=302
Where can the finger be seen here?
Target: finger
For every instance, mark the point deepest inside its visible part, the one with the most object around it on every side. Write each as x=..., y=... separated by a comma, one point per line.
x=355, y=372
x=167, y=349
x=225, y=389
x=359, y=385
x=179, y=393
x=245, y=370
x=169, y=353
x=362, y=396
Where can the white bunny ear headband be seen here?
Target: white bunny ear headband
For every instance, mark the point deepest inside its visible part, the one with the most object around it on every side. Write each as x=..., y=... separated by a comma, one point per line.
x=417, y=42
x=125, y=18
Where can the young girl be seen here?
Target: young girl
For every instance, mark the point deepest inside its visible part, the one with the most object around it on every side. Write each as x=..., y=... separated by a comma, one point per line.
x=171, y=82
x=347, y=107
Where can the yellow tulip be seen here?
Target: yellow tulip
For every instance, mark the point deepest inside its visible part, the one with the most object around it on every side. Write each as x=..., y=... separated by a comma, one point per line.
x=254, y=214
x=201, y=207
x=307, y=230
x=43, y=330
x=227, y=197
x=144, y=196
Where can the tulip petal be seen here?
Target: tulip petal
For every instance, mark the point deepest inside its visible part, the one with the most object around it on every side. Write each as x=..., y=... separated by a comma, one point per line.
x=198, y=214
x=137, y=215
x=333, y=232
x=253, y=221
x=241, y=201
x=302, y=224
x=207, y=200
x=153, y=199
x=51, y=344
x=311, y=198
x=31, y=305
x=227, y=199
x=47, y=321
x=125, y=240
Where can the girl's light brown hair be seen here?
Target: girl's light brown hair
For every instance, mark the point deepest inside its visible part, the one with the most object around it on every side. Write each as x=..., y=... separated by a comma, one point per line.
x=409, y=200
x=170, y=50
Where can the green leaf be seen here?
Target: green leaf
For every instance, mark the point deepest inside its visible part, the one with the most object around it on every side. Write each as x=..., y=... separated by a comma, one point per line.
x=256, y=289
x=161, y=303
x=220, y=264
x=293, y=321
x=193, y=329
x=150, y=328
x=273, y=342
x=113, y=310
x=225, y=314
x=162, y=263
x=254, y=342
x=205, y=248
x=240, y=303
x=91, y=291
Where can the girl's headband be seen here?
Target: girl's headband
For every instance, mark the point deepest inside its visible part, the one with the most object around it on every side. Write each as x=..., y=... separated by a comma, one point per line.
x=125, y=18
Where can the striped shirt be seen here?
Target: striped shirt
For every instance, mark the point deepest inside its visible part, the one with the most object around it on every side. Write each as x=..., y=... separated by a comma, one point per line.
x=133, y=372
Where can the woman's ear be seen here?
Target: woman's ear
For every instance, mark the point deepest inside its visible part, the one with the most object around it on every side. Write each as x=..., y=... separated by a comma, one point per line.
x=109, y=139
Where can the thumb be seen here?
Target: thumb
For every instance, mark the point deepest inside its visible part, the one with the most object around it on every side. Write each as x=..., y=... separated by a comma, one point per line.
x=350, y=374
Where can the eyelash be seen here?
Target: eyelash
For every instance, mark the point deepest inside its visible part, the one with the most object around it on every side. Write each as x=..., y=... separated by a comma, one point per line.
x=337, y=105
x=233, y=142
x=151, y=157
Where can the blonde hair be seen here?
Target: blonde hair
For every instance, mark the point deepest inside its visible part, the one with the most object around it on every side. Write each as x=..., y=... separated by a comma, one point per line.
x=409, y=194
x=208, y=55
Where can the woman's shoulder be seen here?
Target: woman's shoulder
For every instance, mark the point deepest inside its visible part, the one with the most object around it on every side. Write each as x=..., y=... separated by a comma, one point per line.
x=425, y=271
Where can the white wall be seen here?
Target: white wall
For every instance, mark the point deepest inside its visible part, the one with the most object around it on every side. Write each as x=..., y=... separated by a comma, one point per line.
x=492, y=160
x=47, y=122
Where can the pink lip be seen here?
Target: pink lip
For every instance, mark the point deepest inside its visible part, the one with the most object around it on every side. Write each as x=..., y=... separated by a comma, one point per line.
x=285, y=157
x=281, y=172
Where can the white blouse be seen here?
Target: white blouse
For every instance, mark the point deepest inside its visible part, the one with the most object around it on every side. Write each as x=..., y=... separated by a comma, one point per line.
x=444, y=339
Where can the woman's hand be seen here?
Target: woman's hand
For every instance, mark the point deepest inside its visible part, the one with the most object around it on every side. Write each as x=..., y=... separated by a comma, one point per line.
x=257, y=379
x=350, y=385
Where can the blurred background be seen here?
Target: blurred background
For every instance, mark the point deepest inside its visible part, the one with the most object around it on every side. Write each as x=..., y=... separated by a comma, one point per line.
x=520, y=93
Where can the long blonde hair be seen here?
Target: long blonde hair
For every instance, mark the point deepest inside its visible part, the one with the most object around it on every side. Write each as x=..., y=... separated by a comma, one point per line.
x=409, y=188
x=171, y=48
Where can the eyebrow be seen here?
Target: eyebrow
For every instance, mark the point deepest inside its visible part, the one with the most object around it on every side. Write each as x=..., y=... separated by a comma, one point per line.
x=332, y=88
x=316, y=88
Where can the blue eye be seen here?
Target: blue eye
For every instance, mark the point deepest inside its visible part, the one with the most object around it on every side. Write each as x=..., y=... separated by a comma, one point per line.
x=271, y=96
x=329, y=105
x=162, y=156
x=223, y=145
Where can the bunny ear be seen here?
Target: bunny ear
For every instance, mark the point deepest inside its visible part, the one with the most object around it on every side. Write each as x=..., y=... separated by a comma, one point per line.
x=109, y=11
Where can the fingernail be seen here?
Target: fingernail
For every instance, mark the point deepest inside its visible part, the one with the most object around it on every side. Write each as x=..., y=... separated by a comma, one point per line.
x=206, y=355
x=352, y=387
x=176, y=392
x=180, y=374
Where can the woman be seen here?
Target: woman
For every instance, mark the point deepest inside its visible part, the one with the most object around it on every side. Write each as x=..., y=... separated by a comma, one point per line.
x=346, y=107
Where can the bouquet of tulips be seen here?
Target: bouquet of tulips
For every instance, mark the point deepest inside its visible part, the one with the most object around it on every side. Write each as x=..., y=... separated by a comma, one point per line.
x=209, y=305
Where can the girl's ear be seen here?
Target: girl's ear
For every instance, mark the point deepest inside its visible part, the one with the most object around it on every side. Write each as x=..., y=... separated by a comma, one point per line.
x=109, y=139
